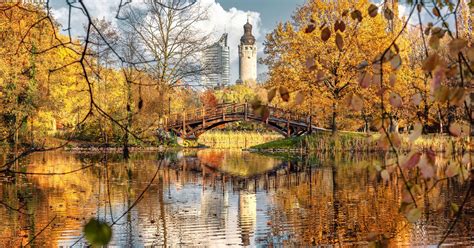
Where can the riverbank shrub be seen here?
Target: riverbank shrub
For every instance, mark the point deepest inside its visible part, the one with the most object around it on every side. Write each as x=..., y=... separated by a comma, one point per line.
x=239, y=139
x=365, y=142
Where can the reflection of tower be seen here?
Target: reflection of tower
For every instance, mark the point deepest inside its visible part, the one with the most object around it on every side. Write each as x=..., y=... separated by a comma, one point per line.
x=247, y=215
x=247, y=56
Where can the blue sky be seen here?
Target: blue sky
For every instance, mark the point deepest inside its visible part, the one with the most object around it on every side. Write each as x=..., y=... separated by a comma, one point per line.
x=271, y=11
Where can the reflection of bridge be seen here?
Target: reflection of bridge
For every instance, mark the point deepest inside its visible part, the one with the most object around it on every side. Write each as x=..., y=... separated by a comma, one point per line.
x=194, y=123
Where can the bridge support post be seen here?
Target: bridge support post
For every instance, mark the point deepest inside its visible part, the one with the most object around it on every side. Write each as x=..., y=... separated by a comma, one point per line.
x=288, y=131
x=203, y=117
x=184, y=124
x=245, y=110
x=310, y=124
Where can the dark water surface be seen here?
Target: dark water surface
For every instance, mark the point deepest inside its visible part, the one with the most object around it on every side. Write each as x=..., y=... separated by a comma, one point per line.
x=217, y=198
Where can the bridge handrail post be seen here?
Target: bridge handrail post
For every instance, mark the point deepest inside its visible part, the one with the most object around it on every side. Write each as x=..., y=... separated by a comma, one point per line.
x=288, y=124
x=184, y=123
x=245, y=110
x=203, y=117
x=223, y=113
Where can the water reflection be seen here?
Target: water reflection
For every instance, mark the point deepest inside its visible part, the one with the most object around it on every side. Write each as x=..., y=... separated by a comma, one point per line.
x=217, y=198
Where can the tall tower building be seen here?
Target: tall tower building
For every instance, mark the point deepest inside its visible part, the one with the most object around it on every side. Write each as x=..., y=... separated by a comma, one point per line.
x=247, y=56
x=216, y=62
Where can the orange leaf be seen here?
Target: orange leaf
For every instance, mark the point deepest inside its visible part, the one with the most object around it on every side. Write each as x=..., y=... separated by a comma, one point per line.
x=456, y=45
x=284, y=94
x=356, y=15
x=325, y=34
x=395, y=100
x=339, y=42
x=299, y=98
x=396, y=62
x=388, y=14
x=271, y=94
x=412, y=161
x=373, y=10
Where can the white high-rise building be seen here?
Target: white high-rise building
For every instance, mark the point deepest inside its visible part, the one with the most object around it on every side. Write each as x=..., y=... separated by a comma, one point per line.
x=247, y=56
x=216, y=62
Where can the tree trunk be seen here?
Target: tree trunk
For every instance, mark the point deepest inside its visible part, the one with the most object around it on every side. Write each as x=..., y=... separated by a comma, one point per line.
x=126, y=152
x=334, y=116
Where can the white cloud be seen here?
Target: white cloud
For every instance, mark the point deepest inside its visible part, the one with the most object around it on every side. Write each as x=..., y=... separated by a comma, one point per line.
x=230, y=21
x=220, y=21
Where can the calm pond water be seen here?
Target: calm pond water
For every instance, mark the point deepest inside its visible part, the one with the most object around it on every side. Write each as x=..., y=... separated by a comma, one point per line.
x=217, y=198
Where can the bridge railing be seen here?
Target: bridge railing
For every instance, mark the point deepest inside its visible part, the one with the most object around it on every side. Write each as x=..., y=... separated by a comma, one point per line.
x=199, y=114
x=231, y=108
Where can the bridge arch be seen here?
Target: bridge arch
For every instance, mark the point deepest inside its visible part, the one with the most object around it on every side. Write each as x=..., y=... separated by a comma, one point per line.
x=194, y=123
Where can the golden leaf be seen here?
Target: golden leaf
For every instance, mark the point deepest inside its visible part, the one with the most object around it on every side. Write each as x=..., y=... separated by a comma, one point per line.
x=373, y=10
x=355, y=102
x=339, y=42
x=436, y=12
x=396, y=62
x=310, y=28
x=413, y=215
x=388, y=14
x=456, y=95
x=385, y=175
x=284, y=94
x=339, y=25
x=419, y=7
x=456, y=45
x=470, y=54
x=417, y=130
x=441, y=94
x=395, y=100
x=356, y=15
x=325, y=34
x=431, y=62
x=392, y=79
x=271, y=94
x=299, y=98
x=255, y=103
x=458, y=129
x=433, y=42
x=365, y=80
x=416, y=99
x=310, y=63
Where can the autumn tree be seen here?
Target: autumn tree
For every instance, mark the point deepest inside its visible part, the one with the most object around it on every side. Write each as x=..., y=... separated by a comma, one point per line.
x=169, y=43
x=321, y=51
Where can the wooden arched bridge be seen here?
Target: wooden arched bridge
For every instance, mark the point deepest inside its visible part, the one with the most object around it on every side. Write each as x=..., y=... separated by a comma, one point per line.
x=191, y=124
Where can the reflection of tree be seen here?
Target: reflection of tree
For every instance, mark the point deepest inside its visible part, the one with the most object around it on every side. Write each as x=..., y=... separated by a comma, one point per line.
x=309, y=204
x=339, y=205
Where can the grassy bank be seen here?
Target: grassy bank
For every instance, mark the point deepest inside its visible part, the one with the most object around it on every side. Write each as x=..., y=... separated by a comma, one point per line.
x=236, y=139
x=361, y=142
